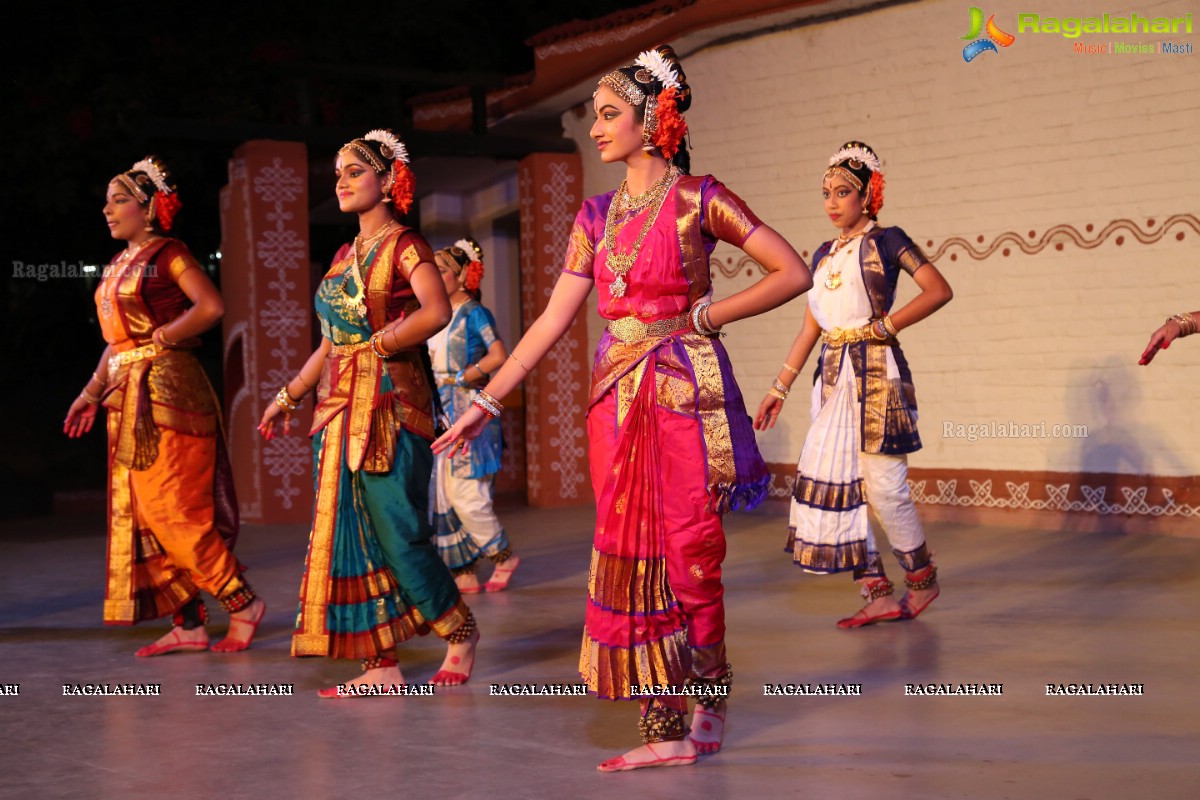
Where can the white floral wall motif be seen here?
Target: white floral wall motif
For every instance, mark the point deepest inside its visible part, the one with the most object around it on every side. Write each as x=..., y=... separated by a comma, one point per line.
x=565, y=361
x=554, y=401
x=533, y=467
x=1134, y=499
x=282, y=255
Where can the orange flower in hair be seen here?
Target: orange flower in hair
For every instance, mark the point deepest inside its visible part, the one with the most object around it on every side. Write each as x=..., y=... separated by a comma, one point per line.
x=473, y=276
x=875, y=193
x=403, y=186
x=672, y=127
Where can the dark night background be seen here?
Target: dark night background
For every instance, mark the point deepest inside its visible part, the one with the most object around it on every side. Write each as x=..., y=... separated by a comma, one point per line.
x=91, y=88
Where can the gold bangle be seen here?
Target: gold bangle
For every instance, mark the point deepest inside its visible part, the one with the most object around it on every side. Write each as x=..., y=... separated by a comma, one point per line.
x=376, y=341
x=780, y=387
x=708, y=320
x=776, y=394
x=520, y=363
x=1186, y=323
x=159, y=337
x=285, y=401
x=90, y=399
x=890, y=326
x=790, y=368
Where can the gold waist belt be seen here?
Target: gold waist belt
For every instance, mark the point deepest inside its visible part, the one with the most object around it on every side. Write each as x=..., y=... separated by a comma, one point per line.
x=632, y=330
x=349, y=349
x=836, y=337
x=136, y=354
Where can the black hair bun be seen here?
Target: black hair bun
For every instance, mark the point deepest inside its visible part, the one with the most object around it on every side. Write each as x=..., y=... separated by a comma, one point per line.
x=683, y=94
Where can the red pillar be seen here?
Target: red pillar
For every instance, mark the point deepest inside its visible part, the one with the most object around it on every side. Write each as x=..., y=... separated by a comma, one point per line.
x=551, y=192
x=267, y=326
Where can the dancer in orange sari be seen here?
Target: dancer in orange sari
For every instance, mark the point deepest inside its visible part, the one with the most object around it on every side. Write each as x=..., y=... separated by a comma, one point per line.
x=671, y=447
x=172, y=515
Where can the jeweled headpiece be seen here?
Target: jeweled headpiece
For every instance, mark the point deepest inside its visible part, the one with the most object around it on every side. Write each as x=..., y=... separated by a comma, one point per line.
x=624, y=87
x=471, y=248
x=149, y=181
x=655, y=82
x=859, y=166
x=387, y=155
x=465, y=259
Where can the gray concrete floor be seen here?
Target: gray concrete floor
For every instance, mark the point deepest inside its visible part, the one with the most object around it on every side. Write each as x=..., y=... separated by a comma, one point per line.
x=1022, y=608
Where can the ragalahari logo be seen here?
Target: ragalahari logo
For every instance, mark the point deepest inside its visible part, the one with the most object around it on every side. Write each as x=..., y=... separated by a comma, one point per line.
x=994, y=37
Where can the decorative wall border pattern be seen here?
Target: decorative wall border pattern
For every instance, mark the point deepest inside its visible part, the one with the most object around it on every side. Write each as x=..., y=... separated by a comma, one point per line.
x=1058, y=498
x=1089, y=493
x=1060, y=235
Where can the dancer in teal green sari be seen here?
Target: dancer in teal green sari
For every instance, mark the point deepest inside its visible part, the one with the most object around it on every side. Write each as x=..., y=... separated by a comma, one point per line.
x=373, y=577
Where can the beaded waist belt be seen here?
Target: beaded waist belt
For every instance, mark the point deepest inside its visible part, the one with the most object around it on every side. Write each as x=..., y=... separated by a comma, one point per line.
x=632, y=330
x=136, y=354
x=836, y=337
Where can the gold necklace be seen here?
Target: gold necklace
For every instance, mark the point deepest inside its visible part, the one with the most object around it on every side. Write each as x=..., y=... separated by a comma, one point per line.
x=833, y=280
x=358, y=297
x=621, y=263
x=113, y=274
x=627, y=202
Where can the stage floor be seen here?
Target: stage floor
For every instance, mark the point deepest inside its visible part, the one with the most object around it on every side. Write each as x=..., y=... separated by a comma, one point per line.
x=1019, y=608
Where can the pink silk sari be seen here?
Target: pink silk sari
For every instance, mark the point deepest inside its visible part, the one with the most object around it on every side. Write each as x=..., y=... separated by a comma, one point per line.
x=671, y=449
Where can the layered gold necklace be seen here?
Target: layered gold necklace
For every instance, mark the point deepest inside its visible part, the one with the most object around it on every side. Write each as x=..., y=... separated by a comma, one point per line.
x=652, y=199
x=362, y=248
x=115, y=271
x=834, y=279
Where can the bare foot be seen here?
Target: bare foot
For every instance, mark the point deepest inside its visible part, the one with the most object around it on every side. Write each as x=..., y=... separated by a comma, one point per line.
x=708, y=728
x=676, y=753
x=176, y=640
x=242, y=627
x=502, y=575
x=881, y=609
x=460, y=659
x=373, y=682
x=468, y=583
x=917, y=600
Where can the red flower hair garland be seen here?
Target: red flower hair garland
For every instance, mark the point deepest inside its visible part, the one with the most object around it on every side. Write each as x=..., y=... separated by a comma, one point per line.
x=672, y=127
x=403, y=186
x=875, y=193
x=473, y=276
x=166, y=206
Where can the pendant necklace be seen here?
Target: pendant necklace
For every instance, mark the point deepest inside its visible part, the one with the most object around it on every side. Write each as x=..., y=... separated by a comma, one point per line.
x=833, y=280
x=652, y=199
x=357, y=298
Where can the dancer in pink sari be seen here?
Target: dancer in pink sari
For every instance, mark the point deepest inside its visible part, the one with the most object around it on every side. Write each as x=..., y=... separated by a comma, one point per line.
x=672, y=447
